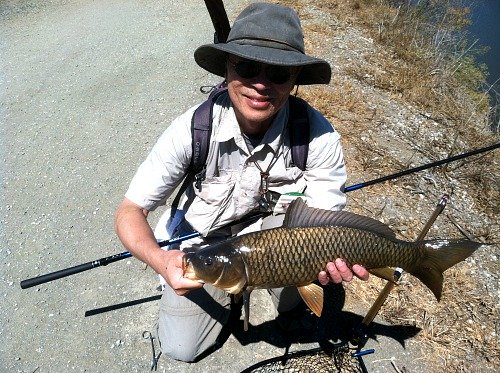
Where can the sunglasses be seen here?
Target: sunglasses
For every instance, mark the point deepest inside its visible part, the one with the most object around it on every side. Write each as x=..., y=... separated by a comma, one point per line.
x=248, y=69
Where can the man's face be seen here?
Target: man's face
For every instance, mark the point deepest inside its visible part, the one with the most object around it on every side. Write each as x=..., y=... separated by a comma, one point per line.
x=257, y=99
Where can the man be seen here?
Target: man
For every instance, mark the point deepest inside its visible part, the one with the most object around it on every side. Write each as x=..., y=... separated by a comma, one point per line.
x=262, y=61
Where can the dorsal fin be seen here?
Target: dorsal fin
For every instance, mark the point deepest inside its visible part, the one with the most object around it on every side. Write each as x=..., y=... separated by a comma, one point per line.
x=299, y=214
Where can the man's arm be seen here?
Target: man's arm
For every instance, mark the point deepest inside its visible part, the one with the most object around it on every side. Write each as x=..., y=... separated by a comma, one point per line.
x=135, y=233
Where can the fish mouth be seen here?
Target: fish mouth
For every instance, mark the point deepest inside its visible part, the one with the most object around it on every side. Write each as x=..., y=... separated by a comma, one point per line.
x=188, y=270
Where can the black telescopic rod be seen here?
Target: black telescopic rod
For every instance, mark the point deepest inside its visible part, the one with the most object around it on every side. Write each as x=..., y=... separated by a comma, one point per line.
x=73, y=270
x=219, y=19
x=96, y=263
x=420, y=168
x=28, y=283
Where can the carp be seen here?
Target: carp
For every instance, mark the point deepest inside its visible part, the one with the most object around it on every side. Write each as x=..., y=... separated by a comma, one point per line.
x=294, y=254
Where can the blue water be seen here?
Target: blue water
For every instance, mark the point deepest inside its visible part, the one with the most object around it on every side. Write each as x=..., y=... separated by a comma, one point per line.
x=485, y=16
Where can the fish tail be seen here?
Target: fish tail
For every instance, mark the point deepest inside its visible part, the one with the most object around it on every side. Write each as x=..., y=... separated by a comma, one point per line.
x=438, y=256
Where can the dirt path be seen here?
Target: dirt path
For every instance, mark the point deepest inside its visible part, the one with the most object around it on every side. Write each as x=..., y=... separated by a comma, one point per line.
x=85, y=90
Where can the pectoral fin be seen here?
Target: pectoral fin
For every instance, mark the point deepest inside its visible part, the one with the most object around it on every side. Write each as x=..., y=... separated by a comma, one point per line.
x=386, y=273
x=312, y=295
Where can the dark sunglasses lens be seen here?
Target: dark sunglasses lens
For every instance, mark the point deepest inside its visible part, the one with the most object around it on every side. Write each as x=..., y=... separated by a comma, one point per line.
x=278, y=74
x=248, y=69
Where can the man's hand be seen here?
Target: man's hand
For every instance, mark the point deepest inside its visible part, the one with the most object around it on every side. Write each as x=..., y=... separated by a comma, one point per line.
x=171, y=270
x=137, y=236
x=338, y=271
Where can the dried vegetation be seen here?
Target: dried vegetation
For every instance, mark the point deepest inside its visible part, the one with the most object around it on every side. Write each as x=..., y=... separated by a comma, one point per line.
x=406, y=91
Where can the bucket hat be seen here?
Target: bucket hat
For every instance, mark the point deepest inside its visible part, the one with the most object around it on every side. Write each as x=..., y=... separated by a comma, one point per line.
x=270, y=34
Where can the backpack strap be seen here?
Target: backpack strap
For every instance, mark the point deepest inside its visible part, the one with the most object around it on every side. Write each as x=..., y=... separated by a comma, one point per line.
x=201, y=130
x=298, y=127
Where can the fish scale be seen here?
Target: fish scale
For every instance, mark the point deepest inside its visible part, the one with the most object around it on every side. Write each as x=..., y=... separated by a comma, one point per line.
x=291, y=256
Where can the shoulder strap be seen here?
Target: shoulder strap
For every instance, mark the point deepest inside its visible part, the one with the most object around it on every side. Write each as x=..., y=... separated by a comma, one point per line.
x=298, y=127
x=201, y=130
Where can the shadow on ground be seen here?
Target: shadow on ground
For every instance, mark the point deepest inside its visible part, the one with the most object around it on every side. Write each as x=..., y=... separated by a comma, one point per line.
x=332, y=332
x=334, y=328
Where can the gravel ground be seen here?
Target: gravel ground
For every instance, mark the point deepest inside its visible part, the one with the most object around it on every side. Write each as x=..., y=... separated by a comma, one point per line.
x=85, y=89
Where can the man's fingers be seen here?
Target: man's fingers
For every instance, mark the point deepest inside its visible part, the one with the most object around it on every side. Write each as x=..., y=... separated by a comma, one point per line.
x=343, y=269
x=183, y=285
x=360, y=272
x=334, y=273
x=174, y=274
x=323, y=278
x=338, y=272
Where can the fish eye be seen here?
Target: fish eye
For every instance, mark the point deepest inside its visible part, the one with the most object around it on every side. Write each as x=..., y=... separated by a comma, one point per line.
x=209, y=261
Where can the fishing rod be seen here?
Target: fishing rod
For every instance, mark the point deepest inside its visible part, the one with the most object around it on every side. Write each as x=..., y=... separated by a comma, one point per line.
x=114, y=258
x=28, y=283
x=222, y=27
x=421, y=168
x=94, y=264
x=219, y=19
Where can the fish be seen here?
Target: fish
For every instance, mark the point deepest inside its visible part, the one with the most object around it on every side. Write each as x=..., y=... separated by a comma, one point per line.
x=295, y=253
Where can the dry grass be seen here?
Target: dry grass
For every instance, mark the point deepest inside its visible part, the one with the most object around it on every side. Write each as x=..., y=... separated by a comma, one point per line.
x=429, y=64
x=391, y=64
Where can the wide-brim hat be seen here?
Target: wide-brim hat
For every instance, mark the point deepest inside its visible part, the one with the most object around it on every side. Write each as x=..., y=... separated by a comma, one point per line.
x=270, y=34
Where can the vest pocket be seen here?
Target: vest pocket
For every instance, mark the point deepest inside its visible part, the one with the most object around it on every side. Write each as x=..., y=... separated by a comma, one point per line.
x=213, y=204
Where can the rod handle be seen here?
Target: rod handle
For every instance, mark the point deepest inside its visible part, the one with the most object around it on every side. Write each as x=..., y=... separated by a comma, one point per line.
x=34, y=281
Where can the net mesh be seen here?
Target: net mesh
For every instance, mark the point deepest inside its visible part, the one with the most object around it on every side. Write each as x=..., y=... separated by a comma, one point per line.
x=337, y=359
